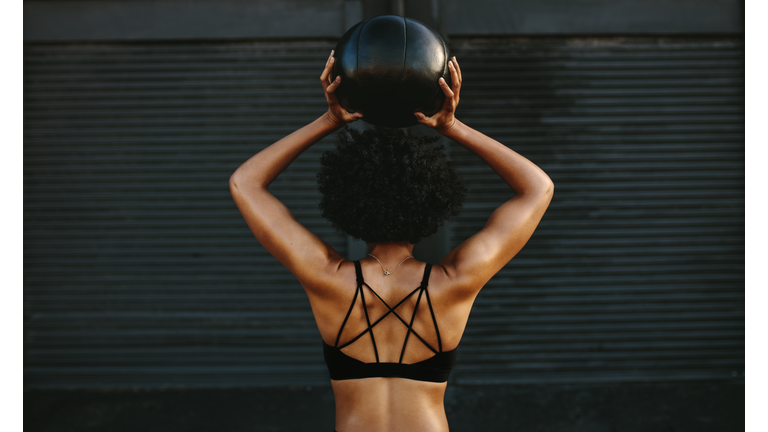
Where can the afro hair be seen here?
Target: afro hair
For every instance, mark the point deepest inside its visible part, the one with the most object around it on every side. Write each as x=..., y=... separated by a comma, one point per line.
x=383, y=185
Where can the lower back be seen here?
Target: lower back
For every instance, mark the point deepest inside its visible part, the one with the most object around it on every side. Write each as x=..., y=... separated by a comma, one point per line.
x=389, y=404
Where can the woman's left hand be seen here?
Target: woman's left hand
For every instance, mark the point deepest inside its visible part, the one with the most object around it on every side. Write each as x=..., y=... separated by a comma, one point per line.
x=336, y=113
x=444, y=120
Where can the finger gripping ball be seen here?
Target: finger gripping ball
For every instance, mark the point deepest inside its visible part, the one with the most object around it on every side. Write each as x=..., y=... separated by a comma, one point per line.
x=390, y=67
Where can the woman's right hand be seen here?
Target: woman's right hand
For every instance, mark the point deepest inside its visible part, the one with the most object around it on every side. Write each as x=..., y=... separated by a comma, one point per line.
x=444, y=120
x=336, y=113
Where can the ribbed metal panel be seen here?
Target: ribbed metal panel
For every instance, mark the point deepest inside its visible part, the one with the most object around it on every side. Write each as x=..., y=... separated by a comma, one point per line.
x=637, y=270
x=139, y=270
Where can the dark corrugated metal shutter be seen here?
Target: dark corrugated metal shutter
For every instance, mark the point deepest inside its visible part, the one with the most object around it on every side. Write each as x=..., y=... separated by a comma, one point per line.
x=637, y=270
x=139, y=270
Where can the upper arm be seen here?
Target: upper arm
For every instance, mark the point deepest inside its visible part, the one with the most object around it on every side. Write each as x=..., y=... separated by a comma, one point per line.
x=471, y=264
x=300, y=250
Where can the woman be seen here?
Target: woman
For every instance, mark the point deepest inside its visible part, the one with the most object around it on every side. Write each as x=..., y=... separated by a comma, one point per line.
x=389, y=340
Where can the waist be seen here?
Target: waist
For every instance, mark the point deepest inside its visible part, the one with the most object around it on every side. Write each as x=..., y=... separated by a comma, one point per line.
x=389, y=404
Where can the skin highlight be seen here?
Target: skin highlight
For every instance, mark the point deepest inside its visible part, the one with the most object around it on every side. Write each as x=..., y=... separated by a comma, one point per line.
x=391, y=404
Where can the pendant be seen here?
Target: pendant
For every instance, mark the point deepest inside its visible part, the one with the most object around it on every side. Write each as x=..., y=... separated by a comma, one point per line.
x=386, y=272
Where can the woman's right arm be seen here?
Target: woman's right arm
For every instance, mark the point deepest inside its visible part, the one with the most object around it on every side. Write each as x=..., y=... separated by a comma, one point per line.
x=510, y=226
x=471, y=264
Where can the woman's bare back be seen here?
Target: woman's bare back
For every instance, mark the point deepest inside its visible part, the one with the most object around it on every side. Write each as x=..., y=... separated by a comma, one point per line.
x=386, y=403
x=389, y=404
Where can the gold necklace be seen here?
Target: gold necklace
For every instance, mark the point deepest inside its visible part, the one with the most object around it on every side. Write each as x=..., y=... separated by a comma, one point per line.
x=387, y=272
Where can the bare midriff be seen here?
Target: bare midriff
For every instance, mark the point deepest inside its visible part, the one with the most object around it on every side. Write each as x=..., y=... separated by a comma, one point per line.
x=389, y=405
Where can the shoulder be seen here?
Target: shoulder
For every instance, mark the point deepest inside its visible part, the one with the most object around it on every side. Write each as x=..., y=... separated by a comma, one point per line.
x=452, y=284
x=330, y=281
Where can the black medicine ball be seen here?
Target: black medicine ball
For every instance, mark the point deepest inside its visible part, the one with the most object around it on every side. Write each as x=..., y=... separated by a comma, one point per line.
x=389, y=67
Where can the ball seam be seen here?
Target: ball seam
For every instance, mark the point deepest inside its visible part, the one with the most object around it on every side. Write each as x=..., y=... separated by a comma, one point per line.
x=357, y=57
x=405, y=54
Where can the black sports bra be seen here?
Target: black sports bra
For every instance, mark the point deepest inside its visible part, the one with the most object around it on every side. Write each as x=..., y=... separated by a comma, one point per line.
x=434, y=369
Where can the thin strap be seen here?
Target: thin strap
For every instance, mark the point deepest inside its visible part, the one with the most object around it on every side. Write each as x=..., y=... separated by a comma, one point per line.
x=410, y=326
x=359, y=274
x=425, y=279
x=434, y=320
x=391, y=310
x=425, y=284
x=365, y=309
x=360, y=282
x=394, y=312
x=349, y=312
x=378, y=321
x=422, y=288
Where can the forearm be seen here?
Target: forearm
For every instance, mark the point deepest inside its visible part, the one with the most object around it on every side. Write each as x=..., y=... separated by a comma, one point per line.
x=265, y=166
x=522, y=175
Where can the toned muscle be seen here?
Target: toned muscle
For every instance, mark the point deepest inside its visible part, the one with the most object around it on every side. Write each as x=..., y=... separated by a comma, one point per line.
x=372, y=401
x=391, y=341
x=389, y=404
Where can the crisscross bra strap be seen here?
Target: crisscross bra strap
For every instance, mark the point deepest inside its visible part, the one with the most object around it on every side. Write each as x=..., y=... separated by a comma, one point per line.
x=423, y=292
x=359, y=274
x=425, y=279
x=360, y=282
x=424, y=284
x=359, y=290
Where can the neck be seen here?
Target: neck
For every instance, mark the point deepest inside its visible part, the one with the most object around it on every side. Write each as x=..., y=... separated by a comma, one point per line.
x=391, y=252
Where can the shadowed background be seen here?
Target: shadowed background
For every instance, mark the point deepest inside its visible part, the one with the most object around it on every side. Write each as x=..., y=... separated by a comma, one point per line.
x=148, y=303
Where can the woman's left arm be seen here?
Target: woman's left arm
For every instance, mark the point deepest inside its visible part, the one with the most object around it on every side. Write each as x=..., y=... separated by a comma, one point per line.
x=305, y=254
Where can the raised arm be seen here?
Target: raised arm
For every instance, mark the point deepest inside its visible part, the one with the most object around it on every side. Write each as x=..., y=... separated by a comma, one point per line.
x=476, y=260
x=510, y=226
x=296, y=247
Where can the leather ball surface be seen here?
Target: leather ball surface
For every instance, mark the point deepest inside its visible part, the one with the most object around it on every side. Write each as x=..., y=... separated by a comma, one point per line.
x=390, y=67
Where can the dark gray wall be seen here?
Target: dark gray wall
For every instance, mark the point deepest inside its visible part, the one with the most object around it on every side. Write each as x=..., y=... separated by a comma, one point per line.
x=139, y=271
x=54, y=20
x=173, y=19
x=636, y=270
x=616, y=17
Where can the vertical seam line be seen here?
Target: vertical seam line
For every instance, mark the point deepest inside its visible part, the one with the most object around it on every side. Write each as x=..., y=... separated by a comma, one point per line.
x=357, y=56
x=405, y=54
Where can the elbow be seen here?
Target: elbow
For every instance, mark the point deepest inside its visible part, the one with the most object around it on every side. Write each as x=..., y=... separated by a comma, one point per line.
x=545, y=191
x=240, y=185
x=549, y=191
x=550, y=187
x=234, y=184
x=545, y=187
x=246, y=179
